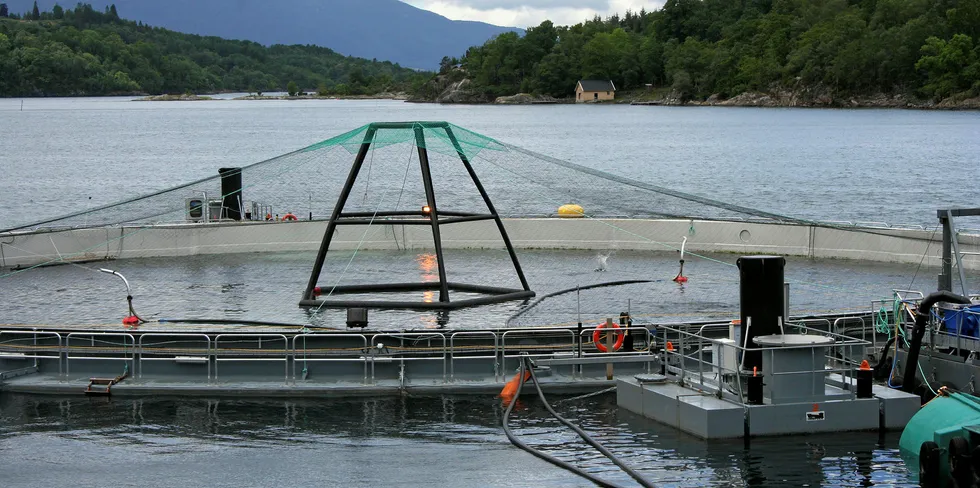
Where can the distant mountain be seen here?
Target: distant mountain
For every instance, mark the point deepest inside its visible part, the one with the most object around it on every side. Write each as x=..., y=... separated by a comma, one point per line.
x=388, y=30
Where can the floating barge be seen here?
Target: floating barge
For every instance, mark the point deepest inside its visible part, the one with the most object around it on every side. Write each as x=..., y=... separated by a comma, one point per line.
x=270, y=361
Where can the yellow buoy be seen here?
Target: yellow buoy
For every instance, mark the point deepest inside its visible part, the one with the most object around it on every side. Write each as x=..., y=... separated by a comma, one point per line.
x=571, y=211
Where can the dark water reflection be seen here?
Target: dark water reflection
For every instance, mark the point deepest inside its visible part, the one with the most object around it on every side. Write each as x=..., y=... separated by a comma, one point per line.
x=405, y=441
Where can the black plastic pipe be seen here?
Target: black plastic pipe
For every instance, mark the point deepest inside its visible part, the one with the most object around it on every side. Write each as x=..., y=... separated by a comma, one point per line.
x=921, y=320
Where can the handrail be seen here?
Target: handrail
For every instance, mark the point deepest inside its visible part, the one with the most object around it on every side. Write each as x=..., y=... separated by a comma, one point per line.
x=452, y=353
x=142, y=353
x=92, y=335
x=647, y=336
x=361, y=355
x=400, y=336
x=839, y=341
x=36, y=352
x=530, y=332
x=284, y=351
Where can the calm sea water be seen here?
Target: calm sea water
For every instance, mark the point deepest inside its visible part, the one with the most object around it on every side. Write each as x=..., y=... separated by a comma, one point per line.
x=61, y=155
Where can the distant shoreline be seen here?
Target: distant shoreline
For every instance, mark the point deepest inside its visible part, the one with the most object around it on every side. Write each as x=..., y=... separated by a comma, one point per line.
x=196, y=98
x=459, y=93
x=755, y=100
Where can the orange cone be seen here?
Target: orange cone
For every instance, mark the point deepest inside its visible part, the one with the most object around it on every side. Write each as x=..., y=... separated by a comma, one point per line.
x=864, y=365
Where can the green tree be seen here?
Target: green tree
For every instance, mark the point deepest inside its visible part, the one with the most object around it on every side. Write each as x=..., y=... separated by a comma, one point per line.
x=292, y=89
x=4, y=11
x=553, y=77
x=322, y=90
x=91, y=52
x=113, y=13
x=446, y=64
x=35, y=14
x=950, y=66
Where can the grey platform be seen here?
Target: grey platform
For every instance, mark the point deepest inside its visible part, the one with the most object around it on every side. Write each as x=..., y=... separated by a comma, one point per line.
x=704, y=415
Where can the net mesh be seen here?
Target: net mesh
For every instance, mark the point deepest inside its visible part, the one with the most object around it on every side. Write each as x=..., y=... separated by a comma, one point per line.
x=308, y=182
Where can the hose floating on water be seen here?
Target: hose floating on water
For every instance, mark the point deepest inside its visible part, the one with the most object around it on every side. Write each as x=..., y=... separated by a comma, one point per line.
x=241, y=322
x=569, y=290
x=588, y=439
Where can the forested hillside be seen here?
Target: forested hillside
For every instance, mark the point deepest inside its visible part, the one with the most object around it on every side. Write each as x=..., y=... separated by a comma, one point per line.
x=699, y=48
x=82, y=51
x=389, y=30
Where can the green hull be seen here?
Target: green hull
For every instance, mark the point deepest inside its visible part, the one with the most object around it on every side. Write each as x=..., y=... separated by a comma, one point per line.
x=943, y=418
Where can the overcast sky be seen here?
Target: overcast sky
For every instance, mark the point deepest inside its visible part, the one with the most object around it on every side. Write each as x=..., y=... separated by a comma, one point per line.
x=528, y=13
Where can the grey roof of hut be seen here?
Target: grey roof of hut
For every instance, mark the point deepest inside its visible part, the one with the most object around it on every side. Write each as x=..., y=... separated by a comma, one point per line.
x=597, y=85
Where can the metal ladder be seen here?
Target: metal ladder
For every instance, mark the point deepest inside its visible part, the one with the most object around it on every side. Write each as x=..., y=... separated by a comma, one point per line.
x=102, y=386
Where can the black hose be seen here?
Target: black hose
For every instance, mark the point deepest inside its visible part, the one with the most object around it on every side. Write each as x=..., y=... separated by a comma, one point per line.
x=883, y=360
x=587, y=438
x=569, y=290
x=241, y=322
x=132, y=311
x=921, y=320
x=551, y=459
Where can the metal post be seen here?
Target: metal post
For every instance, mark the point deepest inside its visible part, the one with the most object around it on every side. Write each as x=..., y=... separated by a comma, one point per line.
x=430, y=199
x=341, y=202
x=610, y=340
x=946, y=275
x=490, y=207
x=955, y=244
x=578, y=310
x=786, y=301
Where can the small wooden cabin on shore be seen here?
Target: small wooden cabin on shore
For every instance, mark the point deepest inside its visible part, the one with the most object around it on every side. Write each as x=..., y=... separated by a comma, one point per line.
x=594, y=91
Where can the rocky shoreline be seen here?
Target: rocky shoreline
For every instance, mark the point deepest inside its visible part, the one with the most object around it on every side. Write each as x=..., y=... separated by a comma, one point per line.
x=803, y=100
x=173, y=98
x=454, y=88
x=308, y=96
x=313, y=96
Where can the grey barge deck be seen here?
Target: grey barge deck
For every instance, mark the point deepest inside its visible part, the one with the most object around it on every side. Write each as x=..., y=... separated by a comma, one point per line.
x=219, y=360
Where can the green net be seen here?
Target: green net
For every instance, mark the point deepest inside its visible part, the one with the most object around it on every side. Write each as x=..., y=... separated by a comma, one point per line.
x=307, y=183
x=433, y=136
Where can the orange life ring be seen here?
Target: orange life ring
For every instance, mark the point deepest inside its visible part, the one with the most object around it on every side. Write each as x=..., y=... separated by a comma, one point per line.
x=288, y=216
x=597, y=338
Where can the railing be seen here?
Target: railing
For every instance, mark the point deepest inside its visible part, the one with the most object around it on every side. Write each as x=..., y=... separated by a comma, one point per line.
x=101, y=349
x=498, y=348
x=532, y=335
x=13, y=349
x=409, y=353
x=338, y=354
x=253, y=354
x=453, y=357
x=152, y=351
x=711, y=376
x=956, y=339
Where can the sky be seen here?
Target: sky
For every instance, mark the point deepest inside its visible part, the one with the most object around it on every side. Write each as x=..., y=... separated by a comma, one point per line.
x=529, y=13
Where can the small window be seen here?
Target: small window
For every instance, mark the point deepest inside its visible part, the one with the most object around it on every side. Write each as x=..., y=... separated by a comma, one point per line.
x=196, y=209
x=607, y=93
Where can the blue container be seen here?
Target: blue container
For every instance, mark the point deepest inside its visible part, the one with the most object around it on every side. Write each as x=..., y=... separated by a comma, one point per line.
x=964, y=322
